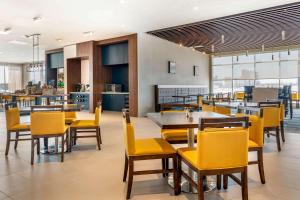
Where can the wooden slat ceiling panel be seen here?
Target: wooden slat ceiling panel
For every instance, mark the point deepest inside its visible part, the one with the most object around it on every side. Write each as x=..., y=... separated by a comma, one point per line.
x=242, y=32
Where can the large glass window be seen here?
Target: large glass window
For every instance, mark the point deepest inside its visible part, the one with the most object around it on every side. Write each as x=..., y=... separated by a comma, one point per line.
x=270, y=69
x=10, y=77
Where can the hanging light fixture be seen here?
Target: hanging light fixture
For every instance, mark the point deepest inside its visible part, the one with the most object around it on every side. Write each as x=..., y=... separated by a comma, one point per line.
x=212, y=48
x=35, y=65
x=263, y=47
x=237, y=58
x=272, y=54
x=222, y=39
x=283, y=35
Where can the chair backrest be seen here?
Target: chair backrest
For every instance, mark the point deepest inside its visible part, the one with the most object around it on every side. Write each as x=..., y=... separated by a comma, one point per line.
x=97, y=115
x=222, y=148
x=295, y=96
x=199, y=101
x=256, y=130
x=222, y=110
x=10, y=105
x=129, y=137
x=208, y=106
x=239, y=95
x=47, y=122
x=12, y=117
x=70, y=114
x=272, y=113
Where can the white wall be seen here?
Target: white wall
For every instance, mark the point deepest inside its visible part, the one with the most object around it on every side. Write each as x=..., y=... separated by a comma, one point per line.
x=153, y=56
x=85, y=71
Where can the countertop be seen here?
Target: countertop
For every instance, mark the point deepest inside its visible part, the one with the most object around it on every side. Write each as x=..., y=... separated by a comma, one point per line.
x=121, y=93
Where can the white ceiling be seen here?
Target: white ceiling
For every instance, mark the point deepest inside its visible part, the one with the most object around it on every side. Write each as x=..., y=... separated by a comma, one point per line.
x=68, y=19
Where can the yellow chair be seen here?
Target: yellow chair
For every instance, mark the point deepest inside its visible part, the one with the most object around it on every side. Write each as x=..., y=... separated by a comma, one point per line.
x=222, y=110
x=87, y=126
x=219, y=151
x=296, y=98
x=272, y=115
x=7, y=98
x=145, y=149
x=70, y=117
x=239, y=95
x=45, y=125
x=256, y=136
x=13, y=125
x=207, y=107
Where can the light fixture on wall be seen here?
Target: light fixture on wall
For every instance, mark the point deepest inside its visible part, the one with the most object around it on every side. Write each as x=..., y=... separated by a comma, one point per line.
x=36, y=65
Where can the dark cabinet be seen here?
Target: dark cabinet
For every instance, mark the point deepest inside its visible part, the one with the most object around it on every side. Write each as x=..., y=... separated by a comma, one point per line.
x=115, y=54
x=80, y=99
x=114, y=102
x=56, y=60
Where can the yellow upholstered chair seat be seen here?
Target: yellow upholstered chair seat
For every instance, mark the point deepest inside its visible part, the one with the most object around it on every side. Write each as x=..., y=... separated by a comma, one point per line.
x=174, y=134
x=83, y=123
x=252, y=144
x=20, y=127
x=189, y=154
x=70, y=120
x=152, y=146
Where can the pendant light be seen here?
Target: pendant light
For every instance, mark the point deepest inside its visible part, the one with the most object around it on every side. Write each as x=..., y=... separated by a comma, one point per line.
x=35, y=65
x=263, y=47
x=222, y=39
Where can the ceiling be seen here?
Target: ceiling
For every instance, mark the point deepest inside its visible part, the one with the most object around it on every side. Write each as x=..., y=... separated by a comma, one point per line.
x=68, y=19
x=260, y=29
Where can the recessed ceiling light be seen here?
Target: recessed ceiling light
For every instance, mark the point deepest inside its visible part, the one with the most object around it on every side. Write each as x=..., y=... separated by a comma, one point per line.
x=122, y=1
x=88, y=33
x=17, y=42
x=198, y=46
x=59, y=40
x=6, y=31
x=196, y=8
x=37, y=18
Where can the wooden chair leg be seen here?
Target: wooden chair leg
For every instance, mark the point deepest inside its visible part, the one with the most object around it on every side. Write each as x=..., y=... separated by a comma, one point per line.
x=75, y=136
x=17, y=139
x=225, y=181
x=219, y=179
x=62, y=148
x=98, y=138
x=38, y=146
x=261, y=166
x=7, y=143
x=278, y=139
x=179, y=168
x=244, y=177
x=282, y=131
x=125, y=168
x=200, y=187
x=175, y=175
x=100, y=135
x=32, y=151
x=130, y=177
x=167, y=166
x=163, y=165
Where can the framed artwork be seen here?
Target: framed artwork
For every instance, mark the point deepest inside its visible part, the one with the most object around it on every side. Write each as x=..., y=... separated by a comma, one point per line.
x=196, y=71
x=172, y=67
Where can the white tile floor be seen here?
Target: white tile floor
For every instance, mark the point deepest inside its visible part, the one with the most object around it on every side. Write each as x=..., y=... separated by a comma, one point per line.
x=91, y=174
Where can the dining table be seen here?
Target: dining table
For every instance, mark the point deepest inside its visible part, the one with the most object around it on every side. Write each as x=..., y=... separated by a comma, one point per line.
x=190, y=121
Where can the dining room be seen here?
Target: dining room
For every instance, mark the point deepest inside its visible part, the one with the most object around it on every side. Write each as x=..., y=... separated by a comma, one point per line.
x=122, y=100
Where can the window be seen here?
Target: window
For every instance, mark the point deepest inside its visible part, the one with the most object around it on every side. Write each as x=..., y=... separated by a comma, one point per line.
x=270, y=69
x=10, y=77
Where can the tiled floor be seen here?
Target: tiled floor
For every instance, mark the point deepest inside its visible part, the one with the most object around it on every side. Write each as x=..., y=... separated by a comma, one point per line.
x=91, y=174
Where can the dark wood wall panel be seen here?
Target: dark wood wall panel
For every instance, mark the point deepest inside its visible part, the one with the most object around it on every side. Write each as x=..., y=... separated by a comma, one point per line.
x=242, y=32
x=73, y=73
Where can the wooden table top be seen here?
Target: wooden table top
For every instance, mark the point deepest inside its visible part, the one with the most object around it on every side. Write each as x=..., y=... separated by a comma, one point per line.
x=173, y=120
x=66, y=108
x=235, y=104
